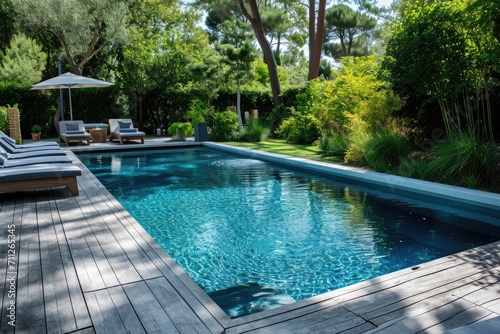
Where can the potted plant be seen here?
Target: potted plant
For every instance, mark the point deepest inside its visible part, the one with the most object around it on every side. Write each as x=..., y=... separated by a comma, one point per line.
x=36, y=131
x=180, y=131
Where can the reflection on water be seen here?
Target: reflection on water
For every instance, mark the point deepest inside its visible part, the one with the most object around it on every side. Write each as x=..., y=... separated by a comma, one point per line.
x=231, y=221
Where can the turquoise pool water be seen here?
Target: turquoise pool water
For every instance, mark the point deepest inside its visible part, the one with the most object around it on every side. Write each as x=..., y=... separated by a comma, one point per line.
x=243, y=228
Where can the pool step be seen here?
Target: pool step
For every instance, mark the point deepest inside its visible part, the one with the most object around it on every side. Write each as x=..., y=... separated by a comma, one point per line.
x=241, y=300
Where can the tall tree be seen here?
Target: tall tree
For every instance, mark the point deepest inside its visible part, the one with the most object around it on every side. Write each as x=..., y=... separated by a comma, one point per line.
x=252, y=14
x=316, y=34
x=350, y=28
x=238, y=52
x=82, y=27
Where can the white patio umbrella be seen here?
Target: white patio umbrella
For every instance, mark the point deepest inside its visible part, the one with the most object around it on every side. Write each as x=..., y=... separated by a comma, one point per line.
x=70, y=80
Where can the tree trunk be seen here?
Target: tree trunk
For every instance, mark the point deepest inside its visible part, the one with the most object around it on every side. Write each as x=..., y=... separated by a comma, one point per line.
x=238, y=107
x=316, y=35
x=256, y=21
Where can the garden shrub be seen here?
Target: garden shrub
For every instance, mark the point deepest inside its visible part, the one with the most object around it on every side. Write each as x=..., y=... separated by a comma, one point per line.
x=285, y=128
x=225, y=126
x=358, y=91
x=4, y=119
x=200, y=112
x=300, y=129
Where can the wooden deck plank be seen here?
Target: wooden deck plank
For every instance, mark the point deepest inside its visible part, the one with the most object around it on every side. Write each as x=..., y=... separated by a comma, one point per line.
x=30, y=310
x=126, y=311
x=105, y=317
x=468, y=316
x=389, y=304
x=402, y=305
x=122, y=268
x=426, y=317
x=81, y=314
x=147, y=308
x=190, y=291
x=184, y=319
x=335, y=319
x=487, y=326
x=58, y=308
x=8, y=217
x=86, y=266
x=94, y=271
x=134, y=253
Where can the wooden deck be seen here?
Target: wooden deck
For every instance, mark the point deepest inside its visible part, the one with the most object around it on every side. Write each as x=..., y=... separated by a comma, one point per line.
x=84, y=265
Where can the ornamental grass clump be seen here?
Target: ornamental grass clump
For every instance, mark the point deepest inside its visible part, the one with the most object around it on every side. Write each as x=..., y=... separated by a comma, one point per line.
x=463, y=160
x=385, y=150
x=334, y=144
x=253, y=132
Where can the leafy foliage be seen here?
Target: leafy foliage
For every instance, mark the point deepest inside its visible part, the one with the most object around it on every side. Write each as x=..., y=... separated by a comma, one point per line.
x=441, y=51
x=300, y=129
x=225, y=126
x=23, y=61
x=356, y=90
x=200, y=112
x=4, y=119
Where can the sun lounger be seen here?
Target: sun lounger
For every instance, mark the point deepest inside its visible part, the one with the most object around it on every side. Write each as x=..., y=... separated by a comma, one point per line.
x=5, y=162
x=30, y=153
x=123, y=129
x=73, y=131
x=39, y=176
x=34, y=145
x=5, y=145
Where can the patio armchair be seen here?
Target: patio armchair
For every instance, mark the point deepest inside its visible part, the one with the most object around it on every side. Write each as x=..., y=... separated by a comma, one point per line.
x=73, y=131
x=123, y=129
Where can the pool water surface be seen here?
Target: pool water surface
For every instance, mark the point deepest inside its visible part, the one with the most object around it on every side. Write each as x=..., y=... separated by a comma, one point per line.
x=255, y=235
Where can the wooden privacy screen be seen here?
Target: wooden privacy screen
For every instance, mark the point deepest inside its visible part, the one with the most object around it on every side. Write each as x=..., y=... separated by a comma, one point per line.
x=14, y=125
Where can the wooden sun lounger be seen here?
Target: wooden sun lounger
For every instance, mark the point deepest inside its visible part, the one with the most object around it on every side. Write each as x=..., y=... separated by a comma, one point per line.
x=40, y=176
x=73, y=131
x=122, y=129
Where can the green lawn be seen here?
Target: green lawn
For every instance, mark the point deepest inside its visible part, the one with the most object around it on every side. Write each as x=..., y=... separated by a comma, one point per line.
x=282, y=147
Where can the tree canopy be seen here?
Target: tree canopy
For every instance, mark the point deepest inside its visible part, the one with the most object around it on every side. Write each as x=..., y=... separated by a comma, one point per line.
x=350, y=28
x=82, y=27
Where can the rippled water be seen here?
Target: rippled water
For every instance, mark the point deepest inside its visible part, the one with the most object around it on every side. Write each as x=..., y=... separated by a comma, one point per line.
x=229, y=221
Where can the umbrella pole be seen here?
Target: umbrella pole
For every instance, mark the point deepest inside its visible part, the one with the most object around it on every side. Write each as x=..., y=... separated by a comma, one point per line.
x=70, y=104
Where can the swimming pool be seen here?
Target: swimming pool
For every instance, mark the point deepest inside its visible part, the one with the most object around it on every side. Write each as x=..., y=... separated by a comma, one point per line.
x=243, y=228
